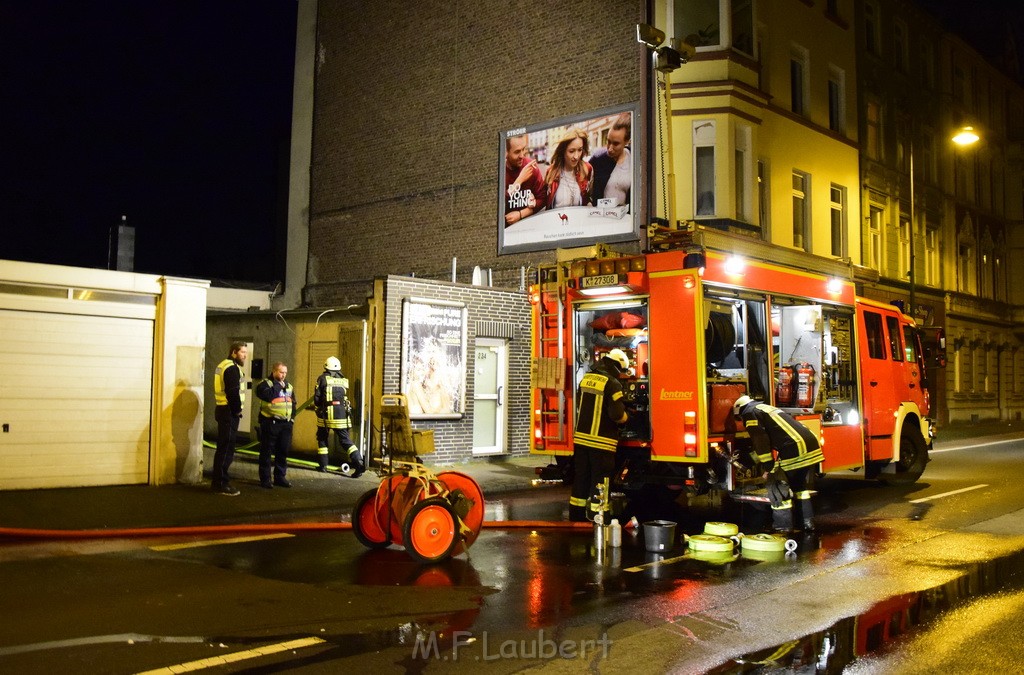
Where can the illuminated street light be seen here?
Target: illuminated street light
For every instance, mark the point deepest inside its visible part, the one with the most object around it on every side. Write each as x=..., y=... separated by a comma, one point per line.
x=966, y=136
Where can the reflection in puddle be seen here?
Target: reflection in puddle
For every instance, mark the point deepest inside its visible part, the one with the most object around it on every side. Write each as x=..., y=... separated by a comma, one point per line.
x=840, y=645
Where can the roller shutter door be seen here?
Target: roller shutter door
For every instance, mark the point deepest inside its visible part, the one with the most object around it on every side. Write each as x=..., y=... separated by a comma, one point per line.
x=76, y=405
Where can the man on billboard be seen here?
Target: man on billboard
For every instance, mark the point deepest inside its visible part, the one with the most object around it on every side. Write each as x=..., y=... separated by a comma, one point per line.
x=525, y=191
x=613, y=164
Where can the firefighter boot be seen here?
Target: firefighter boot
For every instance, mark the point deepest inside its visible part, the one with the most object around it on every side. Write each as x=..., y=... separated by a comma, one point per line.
x=805, y=513
x=355, y=458
x=321, y=459
x=782, y=519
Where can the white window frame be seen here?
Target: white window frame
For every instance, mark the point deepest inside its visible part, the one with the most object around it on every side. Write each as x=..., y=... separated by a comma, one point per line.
x=743, y=174
x=764, y=198
x=802, y=206
x=838, y=221
x=875, y=215
x=800, y=65
x=931, y=255
x=704, y=136
x=836, y=99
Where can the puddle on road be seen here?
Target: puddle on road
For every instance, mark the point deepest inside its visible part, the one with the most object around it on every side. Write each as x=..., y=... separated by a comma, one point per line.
x=881, y=627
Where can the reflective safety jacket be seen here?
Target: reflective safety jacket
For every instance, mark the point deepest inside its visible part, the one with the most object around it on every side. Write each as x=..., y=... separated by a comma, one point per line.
x=329, y=400
x=599, y=409
x=772, y=429
x=277, y=401
x=227, y=385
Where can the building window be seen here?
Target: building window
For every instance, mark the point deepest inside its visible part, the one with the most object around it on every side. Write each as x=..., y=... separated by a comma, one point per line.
x=742, y=173
x=873, y=122
x=798, y=80
x=925, y=166
x=999, y=271
x=743, y=26
x=801, y=210
x=764, y=190
x=928, y=63
x=875, y=237
x=836, y=99
x=871, y=42
x=960, y=84
x=700, y=18
x=905, y=235
x=837, y=203
x=986, y=274
x=964, y=266
x=832, y=8
x=931, y=254
x=900, y=50
x=704, y=167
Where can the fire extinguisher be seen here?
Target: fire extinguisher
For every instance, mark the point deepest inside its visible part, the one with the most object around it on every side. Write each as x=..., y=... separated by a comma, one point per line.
x=805, y=385
x=784, y=389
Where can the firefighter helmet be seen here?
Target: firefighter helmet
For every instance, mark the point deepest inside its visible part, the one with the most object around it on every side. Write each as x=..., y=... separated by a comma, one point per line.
x=740, y=402
x=619, y=357
x=332, y=363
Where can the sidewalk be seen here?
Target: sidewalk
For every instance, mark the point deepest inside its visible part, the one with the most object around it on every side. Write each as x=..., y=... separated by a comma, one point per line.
x=314, y=497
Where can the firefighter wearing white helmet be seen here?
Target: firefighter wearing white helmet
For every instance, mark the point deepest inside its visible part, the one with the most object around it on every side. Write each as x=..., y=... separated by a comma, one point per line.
x=789, y=450
x=330, y=400
x=599, y=412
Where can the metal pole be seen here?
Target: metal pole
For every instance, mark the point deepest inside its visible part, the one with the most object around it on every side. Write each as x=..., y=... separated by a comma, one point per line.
x=913, y=228
x=671, y=155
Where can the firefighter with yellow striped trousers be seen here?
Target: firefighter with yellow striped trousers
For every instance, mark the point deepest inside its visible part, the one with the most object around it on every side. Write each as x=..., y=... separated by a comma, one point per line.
x=229, y=395
x=332, y=414
x=277, y=410
x=781, y=442
x=599, y=412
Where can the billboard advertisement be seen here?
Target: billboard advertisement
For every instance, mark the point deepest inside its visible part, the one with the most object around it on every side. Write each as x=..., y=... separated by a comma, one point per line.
x=434, y=358
x=569, y=182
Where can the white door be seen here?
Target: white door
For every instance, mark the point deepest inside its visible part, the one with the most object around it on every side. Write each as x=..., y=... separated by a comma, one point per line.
x=491, y=375
x=76, y=407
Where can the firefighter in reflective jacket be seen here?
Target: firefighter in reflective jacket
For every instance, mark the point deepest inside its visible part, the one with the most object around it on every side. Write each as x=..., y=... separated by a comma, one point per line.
x=599, y=412
x=332, y=413
x=778, y=438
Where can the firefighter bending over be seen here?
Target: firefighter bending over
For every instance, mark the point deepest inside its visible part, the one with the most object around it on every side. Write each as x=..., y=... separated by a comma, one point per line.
x=332, y=413
x=775, y=435
x=599, y=411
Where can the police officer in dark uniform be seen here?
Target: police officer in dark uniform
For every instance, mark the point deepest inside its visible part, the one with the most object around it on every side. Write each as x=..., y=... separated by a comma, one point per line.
x=228, y=395
x=332, y=413
x=599, y=412
x=783, y=442
x=277, y=410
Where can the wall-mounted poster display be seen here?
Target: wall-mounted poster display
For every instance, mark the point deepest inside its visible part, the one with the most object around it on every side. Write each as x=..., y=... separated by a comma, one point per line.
x=569, y=182
x=434, y=358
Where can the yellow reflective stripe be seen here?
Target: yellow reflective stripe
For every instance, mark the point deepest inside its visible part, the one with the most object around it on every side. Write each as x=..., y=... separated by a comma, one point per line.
x=595, y=441
x=808, y=459
x=616, y=396
x=577, y=501
x=804, y=494
x=789, y=430
x=783, y=506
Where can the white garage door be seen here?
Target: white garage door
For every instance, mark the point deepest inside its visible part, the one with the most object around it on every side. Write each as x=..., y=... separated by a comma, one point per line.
x=76, y=403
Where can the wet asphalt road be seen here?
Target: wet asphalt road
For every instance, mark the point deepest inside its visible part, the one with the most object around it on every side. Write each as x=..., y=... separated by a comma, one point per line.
x=522, y=599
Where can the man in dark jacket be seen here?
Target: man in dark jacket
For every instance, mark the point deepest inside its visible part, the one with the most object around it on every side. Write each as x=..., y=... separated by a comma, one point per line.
x=599, y=412
x=779, y=439
x=228, y=395
x=277, y=410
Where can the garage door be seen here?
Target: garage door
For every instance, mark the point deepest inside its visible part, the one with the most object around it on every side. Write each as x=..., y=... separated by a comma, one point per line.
x=76, y=404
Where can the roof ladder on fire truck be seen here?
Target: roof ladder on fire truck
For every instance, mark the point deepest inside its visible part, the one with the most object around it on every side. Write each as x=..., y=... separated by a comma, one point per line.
x=551, y=341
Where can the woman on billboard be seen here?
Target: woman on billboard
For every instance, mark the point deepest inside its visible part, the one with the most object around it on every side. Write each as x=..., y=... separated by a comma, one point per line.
x=569, y=178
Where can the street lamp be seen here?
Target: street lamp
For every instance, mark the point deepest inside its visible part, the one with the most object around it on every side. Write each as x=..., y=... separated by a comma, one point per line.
x=964, y=136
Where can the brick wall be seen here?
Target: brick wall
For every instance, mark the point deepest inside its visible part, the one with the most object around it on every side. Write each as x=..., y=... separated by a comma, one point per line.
x=410, y=101
x=453, y=439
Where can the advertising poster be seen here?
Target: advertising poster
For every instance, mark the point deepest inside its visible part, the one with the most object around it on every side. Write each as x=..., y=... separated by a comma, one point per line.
x=570, y=182
x=434, y=358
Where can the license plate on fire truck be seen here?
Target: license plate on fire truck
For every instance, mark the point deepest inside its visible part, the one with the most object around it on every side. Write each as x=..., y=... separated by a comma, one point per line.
x=600, y=280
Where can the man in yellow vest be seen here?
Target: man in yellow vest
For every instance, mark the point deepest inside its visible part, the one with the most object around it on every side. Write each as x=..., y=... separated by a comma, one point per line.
x=229, y=395
x=277, y=410
x=599, y=412
x=332, y=412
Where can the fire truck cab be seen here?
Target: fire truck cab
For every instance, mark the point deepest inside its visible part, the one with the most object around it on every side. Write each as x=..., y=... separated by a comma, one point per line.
x=701, y=328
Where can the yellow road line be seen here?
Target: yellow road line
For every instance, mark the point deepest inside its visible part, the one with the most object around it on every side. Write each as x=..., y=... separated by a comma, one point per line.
x=218, y=542
x=217, y=661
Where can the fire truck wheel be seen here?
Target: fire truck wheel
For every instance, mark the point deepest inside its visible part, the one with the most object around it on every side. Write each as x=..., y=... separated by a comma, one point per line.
x=431, y=531
x=364, y=522
x=913, y=457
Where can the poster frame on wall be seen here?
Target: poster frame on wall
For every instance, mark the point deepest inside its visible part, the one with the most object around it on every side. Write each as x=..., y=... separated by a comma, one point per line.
x=441, y=393
x=565, y=227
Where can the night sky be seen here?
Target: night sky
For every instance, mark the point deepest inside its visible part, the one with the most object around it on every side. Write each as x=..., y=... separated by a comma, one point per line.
x=175, y=114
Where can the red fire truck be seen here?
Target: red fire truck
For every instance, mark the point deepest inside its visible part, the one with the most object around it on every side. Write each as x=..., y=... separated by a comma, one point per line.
x=701, y=327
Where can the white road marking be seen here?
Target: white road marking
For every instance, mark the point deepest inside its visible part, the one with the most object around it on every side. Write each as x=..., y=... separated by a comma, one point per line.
x=218, y=542
x=217, y=661
x=947, y=494
x=972, y=445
